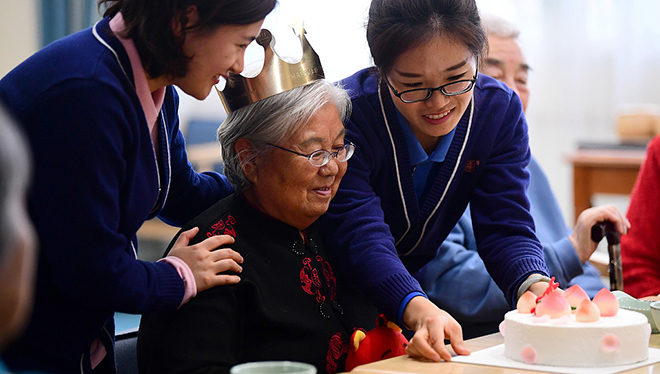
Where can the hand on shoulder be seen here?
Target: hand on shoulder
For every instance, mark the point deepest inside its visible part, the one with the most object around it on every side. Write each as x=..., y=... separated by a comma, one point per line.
x=206, y=261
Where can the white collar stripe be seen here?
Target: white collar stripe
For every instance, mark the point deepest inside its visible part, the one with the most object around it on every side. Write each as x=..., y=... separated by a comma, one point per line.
x=396, y=166
x=451, y=178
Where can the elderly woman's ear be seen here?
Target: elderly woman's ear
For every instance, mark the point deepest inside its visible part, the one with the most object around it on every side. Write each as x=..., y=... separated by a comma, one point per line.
x=246, y=158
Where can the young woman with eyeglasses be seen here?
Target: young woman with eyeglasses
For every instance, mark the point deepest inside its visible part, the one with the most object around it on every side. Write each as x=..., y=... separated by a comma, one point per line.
x=432, y=135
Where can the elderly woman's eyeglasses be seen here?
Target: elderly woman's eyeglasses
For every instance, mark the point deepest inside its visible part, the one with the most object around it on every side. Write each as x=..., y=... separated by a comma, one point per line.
x=449, y=89
x=322, y=157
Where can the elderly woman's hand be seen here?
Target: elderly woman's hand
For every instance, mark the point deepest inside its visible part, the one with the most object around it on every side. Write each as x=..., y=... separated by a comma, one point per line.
x=432, y=326
x=205, y=262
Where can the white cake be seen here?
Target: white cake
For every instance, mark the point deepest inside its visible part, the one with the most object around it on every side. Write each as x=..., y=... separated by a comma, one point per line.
x=618, y=340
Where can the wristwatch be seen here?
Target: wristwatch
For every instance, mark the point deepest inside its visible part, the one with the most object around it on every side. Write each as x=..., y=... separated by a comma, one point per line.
x=524, y=286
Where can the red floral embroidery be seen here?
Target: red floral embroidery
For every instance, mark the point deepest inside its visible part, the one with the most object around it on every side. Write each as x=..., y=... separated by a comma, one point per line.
x=336, y=349
x=223, y=228
x=309, y=280
x=330, y=279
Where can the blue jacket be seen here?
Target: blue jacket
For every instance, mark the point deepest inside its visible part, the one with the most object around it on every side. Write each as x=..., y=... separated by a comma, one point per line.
x=457, y=280
x=382, y=233
x=96, y=180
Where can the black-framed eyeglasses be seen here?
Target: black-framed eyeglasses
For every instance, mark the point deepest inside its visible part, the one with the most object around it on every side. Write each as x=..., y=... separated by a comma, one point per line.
x=450, y=89
x=321, y=157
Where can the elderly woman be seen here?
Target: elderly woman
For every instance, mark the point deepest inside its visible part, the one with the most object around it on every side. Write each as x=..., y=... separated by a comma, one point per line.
x=285, y=156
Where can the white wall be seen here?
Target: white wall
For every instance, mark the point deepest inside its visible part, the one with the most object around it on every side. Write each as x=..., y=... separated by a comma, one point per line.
x=19, y=32
x=589, y=57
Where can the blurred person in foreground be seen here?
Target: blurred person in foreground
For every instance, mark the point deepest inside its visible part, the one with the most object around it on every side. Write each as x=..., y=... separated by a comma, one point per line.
x=457, y=279
x=285, y=156
x=18, y=248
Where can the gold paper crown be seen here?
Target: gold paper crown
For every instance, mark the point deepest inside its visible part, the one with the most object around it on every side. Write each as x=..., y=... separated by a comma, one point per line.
x=276, y=75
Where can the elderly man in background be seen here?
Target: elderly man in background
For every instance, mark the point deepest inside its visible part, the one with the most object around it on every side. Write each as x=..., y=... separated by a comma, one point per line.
x=458, y=269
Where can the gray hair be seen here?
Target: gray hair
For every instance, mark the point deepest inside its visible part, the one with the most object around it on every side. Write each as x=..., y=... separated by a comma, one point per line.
x=499, y=26
x=273, y=120
x=15, y=166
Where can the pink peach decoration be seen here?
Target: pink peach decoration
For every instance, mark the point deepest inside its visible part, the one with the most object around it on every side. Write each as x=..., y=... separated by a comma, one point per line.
x=607, y=303
x=575, y=295
x=526, y=303
x=552, y=286
x=553, y=305
x=587, y=311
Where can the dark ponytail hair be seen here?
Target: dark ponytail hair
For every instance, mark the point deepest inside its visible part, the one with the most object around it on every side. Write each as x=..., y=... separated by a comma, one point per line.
x=396, y=26
x=149, y=24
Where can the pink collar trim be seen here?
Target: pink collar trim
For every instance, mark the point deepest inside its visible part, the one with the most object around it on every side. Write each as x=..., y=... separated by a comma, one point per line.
x=151, y=102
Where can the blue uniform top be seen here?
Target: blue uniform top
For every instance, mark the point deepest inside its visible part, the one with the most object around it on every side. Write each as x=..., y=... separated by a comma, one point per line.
x=96, y=180
x=382, y=233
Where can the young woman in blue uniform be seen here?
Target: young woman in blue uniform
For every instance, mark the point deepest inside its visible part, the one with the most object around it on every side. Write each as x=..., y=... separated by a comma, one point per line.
x=100, y=112
x=432, y=135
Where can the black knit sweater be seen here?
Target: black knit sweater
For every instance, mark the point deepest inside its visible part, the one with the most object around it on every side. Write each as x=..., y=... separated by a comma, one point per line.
x=289, y=305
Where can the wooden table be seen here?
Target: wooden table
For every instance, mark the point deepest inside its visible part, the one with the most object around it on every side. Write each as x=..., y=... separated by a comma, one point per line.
x=155, y=229
x=405, y=364
x=603, y=171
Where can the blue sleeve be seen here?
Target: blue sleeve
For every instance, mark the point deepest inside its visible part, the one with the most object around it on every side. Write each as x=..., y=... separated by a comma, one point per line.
x=190, y=192
x=404, y=304
x=563, y=261
x=80, y=133
x=503, y=224
x=355, y=225
x=589, y=280
x=457, y=281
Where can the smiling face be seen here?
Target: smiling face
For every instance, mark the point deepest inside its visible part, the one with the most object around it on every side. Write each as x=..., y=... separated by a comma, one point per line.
x=214, y=53
x=430, y=65
x=507, y=64
x=286, y=186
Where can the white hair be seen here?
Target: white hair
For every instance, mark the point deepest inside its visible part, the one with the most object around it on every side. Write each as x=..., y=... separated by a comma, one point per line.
x=272, y=120
x=498, y=26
